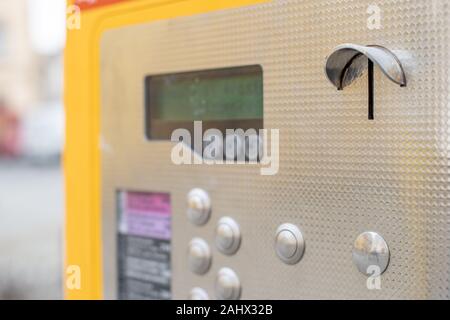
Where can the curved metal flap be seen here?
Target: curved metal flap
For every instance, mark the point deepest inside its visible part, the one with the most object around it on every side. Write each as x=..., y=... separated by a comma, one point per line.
x=348, y=62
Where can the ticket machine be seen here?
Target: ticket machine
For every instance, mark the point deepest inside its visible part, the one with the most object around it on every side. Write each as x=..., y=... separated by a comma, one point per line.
x=346, y=102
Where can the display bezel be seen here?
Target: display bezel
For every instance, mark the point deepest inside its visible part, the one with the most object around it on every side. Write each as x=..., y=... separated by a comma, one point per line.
x=156, y=129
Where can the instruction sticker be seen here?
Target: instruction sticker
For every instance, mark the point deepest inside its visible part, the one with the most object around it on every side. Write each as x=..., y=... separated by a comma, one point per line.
x=144, y=236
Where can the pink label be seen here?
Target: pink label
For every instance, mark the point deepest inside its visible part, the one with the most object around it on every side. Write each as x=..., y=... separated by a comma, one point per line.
x=146, y=214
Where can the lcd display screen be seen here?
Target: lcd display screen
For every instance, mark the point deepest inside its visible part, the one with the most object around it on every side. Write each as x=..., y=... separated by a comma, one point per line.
x=228, y=98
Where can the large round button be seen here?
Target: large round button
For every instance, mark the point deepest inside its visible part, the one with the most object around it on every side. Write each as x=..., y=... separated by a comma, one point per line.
x=370, y=253
x=289, y=243
x=198, y=294
x=199, y=206
x=228, y=236
x=199, y=256
x=228, y=286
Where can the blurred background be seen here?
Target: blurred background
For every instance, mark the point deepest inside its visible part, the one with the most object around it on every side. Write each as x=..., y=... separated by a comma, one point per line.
x=32, y=37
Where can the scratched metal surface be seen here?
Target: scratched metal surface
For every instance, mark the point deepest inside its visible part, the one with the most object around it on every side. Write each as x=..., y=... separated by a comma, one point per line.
x=339, y=175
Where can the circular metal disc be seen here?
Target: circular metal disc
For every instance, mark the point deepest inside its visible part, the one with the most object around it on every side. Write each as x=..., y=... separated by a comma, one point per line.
x=199, y=256
x=228, y=286
x=199, y=206
x=228, y=235
x=370, y=253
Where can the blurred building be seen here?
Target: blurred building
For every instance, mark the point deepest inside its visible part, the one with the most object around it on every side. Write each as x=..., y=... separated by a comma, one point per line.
x=19, y=65
x=31, y=127
x=31, y=42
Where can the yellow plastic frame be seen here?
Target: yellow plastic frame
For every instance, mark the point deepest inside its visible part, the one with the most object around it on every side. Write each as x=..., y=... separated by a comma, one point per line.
x=82, y=107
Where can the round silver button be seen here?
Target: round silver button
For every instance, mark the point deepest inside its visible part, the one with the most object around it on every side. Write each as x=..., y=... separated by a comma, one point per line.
x=370, y=253
x=199, y=206
x=199, y=256
x=286, y=243
x=228, y=286
x=289, y=243
x=228, y=236
x=198, y=294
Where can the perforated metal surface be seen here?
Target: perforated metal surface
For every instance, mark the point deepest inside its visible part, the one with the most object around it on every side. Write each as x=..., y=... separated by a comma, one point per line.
x=340, y=174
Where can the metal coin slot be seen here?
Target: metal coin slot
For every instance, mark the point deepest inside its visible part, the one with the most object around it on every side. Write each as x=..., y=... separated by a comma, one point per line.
x=348, y=62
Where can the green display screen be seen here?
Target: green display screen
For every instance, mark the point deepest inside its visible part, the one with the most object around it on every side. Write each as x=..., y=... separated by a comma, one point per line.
x=229, y=97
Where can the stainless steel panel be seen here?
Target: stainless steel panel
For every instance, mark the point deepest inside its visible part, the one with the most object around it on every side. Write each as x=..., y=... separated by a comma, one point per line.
x=340, y=174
